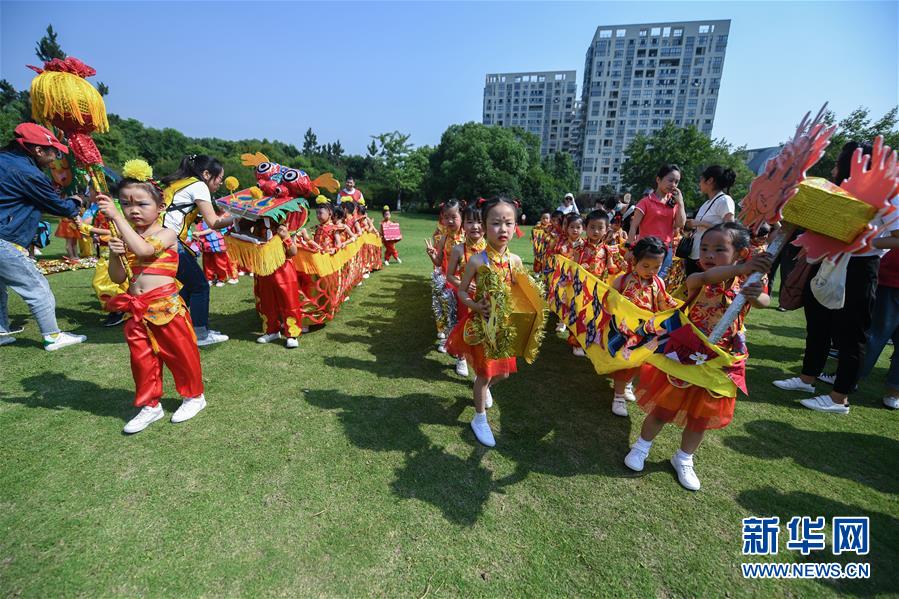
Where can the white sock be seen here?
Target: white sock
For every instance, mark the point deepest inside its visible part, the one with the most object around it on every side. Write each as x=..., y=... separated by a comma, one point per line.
x=480, y=417
x=683, y=457
x=642, y=444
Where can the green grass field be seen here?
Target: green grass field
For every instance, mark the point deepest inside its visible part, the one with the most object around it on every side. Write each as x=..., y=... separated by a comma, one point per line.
x=347, y=467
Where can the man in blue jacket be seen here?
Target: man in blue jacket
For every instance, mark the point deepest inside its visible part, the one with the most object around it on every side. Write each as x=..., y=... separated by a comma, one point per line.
x=26, y=192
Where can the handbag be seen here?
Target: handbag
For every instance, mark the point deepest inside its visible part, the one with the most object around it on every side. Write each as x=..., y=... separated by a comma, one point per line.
x=685, y=245
x=792, y=287
x=829, y=285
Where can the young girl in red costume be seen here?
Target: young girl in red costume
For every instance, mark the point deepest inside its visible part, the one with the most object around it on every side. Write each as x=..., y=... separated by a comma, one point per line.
x=458, y=259
x=278, y=297
x=68, y=230
x=569, y=245
x=596, y=257
x=326, y=234
x=726, y=260
x=499, y=218
x=159, y=331
x=447, y=235
x=389, y=246
x=643, y=287
x=217, y=267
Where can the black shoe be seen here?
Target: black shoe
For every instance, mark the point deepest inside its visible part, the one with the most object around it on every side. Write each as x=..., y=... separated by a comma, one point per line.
x=114, y=319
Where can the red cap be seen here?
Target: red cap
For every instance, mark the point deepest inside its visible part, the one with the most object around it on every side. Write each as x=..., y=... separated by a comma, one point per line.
x=31, y=133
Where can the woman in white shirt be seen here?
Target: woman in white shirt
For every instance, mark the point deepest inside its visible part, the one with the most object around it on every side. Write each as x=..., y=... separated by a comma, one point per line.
x=715, y=182
x=190, y=189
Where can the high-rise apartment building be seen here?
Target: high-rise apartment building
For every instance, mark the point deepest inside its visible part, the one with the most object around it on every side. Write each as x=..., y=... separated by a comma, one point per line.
x=543, y=103
x=636, y=78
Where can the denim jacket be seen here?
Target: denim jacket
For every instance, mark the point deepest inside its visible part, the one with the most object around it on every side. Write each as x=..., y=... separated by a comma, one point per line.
x=26, y=192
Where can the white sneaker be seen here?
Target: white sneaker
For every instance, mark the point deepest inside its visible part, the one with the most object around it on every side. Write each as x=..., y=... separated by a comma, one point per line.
x=629, y=392
x=219, y=284
x=366, y=275
x=441, y=335
x=635, y=459
x=268, y=338
x=462, y=367
x=794, y=384
x=398, y=261
x=211, y=283
x=189, y=408
x=579, y=352
x=386, y=262
x=488, y=401
x=144, y=418
x=827, y=378
x=292, y=343
x=891, y=402
x=824, y=403
x=233, y=281
x=619, y=406
x=686, y=475
x=441, y=347
x=7, y=339
x=211, y=338
x=61, y=340
x=560, y=328
x=482, y=431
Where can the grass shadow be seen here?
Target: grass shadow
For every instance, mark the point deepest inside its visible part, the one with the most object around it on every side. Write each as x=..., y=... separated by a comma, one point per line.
x=867, y=460
x=56, y=391
x=884, y=530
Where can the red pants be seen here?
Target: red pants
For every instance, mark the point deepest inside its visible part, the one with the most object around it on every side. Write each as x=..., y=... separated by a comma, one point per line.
x=278, y=300
x=177, y=350
x=390, y=250
x=217, y=265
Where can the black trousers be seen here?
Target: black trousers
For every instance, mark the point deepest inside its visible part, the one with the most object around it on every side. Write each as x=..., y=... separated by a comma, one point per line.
x=847, y=328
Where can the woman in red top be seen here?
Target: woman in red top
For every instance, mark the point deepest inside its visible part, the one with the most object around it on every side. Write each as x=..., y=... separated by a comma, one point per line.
x=660, y=213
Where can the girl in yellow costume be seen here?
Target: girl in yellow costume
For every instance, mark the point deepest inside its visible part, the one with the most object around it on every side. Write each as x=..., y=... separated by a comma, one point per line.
x=495, y=266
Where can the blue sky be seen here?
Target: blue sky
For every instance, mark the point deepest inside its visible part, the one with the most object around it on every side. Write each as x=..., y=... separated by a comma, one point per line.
x=350, y=70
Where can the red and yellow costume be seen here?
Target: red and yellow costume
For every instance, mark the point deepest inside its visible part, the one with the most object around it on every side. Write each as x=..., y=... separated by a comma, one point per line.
x=324, y=236
x=673, y=400
x=474, y=354
x=159, y=330
x=278, y=300
x=389, y=246
x=569, y=249
x=650, y=296
x=67, y=229
x=599, y=259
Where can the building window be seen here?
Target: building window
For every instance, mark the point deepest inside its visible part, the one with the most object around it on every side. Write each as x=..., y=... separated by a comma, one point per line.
x=605, y=33
x=703, y=29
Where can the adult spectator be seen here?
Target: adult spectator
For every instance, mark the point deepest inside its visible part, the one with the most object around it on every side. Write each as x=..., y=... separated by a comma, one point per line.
x=885, y=326
x=26, y=192
x=847, y=328
x=715, y=182
x=349, y=190
x=190, y=190
x=660, y=213
x=568, y=204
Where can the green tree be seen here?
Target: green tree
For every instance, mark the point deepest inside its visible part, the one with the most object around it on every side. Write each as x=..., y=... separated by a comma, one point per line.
x=689, y=149
x=48, y=48
x=396, y=164
x=102, y=89
x=310, y=143
x=856, y=126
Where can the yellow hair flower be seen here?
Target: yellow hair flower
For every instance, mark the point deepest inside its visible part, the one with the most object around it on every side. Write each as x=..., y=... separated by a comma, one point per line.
x=386, y=207
x=231, y=183
x=322, y=200
x=346, y=199
x=362, y=202
x=137, y=169
x=256, y=193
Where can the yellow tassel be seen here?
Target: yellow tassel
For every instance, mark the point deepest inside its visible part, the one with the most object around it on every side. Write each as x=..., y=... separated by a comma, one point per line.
x=57, y=95
x=261, y=259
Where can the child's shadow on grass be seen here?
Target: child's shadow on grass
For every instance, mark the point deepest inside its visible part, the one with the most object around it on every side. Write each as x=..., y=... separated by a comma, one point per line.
x=866, y=459
x=883, y=528
x=56, y=391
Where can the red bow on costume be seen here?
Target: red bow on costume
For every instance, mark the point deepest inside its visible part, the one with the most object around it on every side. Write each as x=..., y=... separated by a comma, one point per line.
x=69, y=65
x=137, y=305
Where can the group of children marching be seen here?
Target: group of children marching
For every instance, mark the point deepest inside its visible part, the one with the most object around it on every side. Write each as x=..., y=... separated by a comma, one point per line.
x=468, y=237
x=136, y=283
